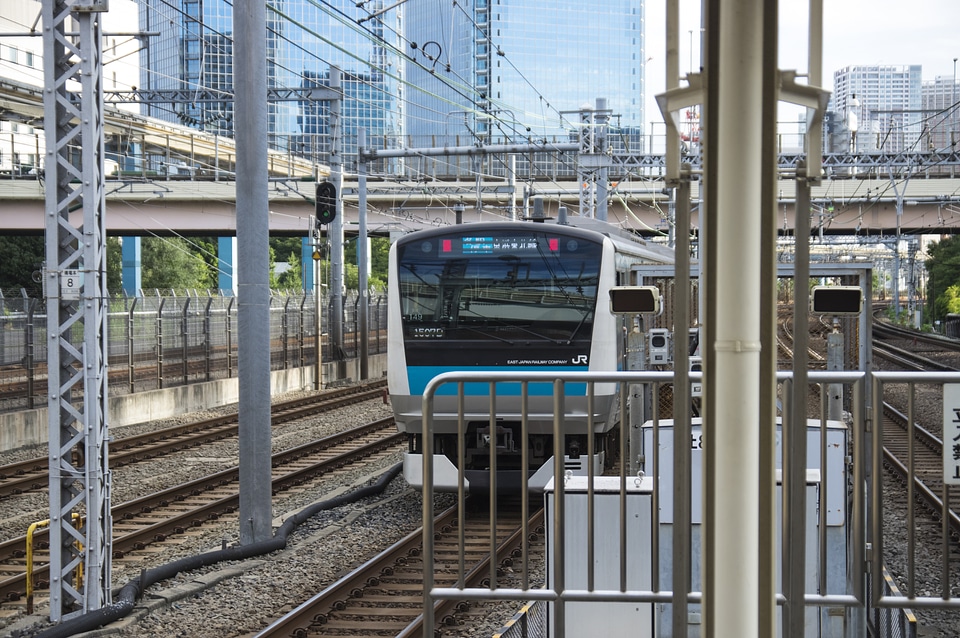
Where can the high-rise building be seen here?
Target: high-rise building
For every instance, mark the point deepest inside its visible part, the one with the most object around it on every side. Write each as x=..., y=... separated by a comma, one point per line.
x=521, y=69
x=191, y=56
x=941, y=121
x=885, y=102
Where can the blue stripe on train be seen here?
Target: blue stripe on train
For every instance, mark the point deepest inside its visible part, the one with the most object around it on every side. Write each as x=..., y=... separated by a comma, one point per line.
x=420, y=376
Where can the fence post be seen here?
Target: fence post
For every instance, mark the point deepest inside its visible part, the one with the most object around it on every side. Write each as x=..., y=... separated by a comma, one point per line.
x=131, y=328
x=356, y=328
x=29, y=343
x=300, y=332
x=207, y=349
x=230, y=338
x=379, y=317
x=185, y=330
x=285, y=332
x=159, y=324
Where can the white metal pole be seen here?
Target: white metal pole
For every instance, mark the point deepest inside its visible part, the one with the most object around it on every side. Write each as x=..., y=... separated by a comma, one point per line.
x=731, y=593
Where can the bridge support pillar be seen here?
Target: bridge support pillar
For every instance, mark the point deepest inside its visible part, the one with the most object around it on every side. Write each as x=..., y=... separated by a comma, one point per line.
x=306, y=263
x=131, y=273
x=226, y=265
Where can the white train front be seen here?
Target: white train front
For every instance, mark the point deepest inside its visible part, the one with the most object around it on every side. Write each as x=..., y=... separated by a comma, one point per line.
x=515, y=297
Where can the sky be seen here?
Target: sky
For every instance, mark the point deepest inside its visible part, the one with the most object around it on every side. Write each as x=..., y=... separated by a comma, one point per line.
x=855, y=32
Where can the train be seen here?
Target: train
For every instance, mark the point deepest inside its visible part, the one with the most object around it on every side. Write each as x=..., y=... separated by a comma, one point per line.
x=513, y=296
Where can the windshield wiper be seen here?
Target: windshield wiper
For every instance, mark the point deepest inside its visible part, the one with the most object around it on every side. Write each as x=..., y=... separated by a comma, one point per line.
x=583, y=320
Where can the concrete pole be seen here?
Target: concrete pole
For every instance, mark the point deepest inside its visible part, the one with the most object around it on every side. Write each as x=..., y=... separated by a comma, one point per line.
x=335, y=234
x=734, y=99
x=253, y=291
x=362, y=255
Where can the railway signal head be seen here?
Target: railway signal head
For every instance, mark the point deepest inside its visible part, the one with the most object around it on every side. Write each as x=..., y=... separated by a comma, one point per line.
x=630, y=300
x=836, y=300
x=326, y=202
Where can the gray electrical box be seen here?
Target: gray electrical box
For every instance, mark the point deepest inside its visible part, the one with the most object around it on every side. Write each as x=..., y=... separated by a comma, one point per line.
x=658, y=346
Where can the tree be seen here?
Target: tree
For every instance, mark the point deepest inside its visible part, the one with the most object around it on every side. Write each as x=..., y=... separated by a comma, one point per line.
x=379, y=255
x=291, y=279
x=22, y=260
x=951, y=299
x=943, y=269
x=114, y=266
x=173, y=262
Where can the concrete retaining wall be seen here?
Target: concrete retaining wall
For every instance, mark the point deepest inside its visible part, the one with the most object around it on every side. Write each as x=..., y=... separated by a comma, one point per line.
x=30, y=427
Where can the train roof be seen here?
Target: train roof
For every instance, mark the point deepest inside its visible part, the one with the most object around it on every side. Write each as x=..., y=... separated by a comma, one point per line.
x=624, y=239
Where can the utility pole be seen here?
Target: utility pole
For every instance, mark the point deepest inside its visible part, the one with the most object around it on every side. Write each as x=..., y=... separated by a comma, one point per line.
x=75, y=290
x=362, y=255
x=253, y=293
x=335, y=232
x=953, y=104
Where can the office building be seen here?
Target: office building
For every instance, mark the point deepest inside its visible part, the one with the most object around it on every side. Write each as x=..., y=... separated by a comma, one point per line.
x=941, y=120
x=191, y=57
x=885, y=102
x=521, y=69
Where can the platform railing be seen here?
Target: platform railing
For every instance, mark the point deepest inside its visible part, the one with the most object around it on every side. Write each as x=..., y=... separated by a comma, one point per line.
x=836, y=521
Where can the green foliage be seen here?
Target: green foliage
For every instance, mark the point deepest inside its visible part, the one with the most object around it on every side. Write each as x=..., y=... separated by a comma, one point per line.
x=379, y=255
x=943, y=269
x=286, y=245
x=22, y=257
x=951, y=299
x=172, y=262
x=114, y=266
x=179, y=263
x=292, y=278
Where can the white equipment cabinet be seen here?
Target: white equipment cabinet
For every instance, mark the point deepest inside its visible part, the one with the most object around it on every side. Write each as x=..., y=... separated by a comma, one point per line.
x=609, y=619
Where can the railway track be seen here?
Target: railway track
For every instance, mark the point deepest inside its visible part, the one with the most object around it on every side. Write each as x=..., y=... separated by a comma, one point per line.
x=141, y=524
x=384, y=597
x=910, y=450
x=908, y=348
x=785, y=343
x=33, y=475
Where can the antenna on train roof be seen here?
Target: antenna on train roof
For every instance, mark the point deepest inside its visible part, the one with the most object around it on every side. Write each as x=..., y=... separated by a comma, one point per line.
x=538, y=215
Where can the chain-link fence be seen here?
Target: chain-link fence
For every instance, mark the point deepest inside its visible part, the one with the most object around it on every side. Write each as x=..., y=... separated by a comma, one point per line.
x=163, y=340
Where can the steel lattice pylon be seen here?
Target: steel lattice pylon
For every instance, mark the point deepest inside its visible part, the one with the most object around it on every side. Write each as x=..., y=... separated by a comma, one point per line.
x=76, y=298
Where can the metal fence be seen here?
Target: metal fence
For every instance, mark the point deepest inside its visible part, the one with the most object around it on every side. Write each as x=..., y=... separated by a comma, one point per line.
x=839, y=516
x=163, y=340
x=890, y=622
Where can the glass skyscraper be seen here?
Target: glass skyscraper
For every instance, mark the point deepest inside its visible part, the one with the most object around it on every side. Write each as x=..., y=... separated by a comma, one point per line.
x=191, y=57
x=521, y=68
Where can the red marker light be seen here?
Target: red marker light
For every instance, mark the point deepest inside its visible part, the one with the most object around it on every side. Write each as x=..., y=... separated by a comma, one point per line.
x=554, y=244
x=446, y=245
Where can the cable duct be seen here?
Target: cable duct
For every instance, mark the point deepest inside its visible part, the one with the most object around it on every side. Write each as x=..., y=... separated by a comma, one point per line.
x=133, y=591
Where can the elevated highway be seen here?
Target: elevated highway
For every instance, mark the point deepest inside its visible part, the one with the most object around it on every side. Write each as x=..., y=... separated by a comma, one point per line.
x=138, y=206
x=189, y=186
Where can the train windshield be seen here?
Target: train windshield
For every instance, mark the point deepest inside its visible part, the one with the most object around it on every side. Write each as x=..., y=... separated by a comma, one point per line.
x=502, y=286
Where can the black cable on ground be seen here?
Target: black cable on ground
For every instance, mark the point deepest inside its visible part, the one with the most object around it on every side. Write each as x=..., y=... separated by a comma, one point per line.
x=132, y=591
